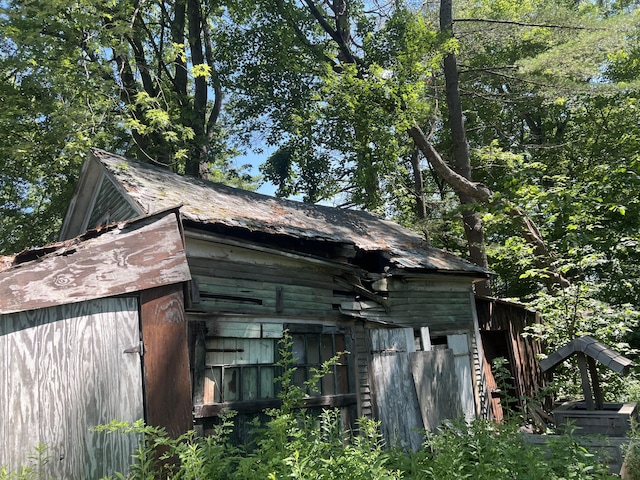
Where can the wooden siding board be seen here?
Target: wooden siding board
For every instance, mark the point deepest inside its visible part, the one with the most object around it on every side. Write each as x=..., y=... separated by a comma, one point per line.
x=106, y=370
x=23, y=399
x=166, y=359
x=248, y=292
x=142, y=255
x=52, y=364
x=109, y=202
x=459, y=344
x=256, y=270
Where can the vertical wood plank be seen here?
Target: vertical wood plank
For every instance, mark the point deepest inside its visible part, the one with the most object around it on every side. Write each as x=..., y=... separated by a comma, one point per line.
x=66, y=377
x=436, y=384
x=4, y=387
x=105, y=385
x=83, y=368
x=459, y=344
x=395, y=394
x=425, y=337
x=166, y=359
x=52, y=363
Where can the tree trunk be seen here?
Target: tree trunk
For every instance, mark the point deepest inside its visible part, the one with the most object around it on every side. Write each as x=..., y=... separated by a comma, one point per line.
x=197, y=164
x=471, y=219
x=421, y=205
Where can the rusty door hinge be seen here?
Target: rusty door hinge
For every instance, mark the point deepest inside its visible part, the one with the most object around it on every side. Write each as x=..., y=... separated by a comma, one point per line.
x=135, y=349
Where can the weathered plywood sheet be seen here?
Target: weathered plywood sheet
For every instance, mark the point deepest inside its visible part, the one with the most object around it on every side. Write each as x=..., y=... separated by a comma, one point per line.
x=459, y=344
x=140, y=255
x=395, y=394
x=437, y=386
x=64, y=370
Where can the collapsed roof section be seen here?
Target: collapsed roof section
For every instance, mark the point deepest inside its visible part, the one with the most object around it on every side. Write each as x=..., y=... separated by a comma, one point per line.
x=361, y=238
x=116, y=259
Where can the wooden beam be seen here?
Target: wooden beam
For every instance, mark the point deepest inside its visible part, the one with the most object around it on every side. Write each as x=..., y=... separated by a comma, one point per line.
x=586, y=387
x=167, y=384
x=595, y=381
x=253, y=406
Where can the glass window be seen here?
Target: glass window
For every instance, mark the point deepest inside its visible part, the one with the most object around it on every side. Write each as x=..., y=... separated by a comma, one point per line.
x=243, y=369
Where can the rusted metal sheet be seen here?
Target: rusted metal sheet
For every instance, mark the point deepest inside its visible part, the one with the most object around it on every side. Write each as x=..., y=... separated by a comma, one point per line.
x=111, y=261
x=167, y=381
x=210, y=204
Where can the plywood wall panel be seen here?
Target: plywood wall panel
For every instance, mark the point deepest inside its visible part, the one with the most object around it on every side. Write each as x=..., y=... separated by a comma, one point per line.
x=66, y=372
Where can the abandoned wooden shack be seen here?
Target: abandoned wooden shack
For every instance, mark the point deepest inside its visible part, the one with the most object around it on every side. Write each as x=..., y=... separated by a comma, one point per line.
x=337, y=280
x=75, y=318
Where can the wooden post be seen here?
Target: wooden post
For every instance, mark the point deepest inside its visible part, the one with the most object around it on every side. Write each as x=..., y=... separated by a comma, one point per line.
x=167, y=383
x=597, y=391
x=586, y=386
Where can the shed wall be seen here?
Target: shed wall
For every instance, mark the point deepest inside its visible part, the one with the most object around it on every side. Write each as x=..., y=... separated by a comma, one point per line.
x=64, y=370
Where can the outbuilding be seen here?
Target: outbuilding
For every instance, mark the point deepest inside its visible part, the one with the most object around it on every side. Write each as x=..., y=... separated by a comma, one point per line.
x=251, y=267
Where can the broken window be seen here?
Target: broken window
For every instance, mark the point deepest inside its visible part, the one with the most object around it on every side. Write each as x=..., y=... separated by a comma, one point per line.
x=240, y=361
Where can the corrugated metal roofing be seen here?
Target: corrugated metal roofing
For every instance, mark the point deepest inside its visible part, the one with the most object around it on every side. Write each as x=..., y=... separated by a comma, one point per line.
x=208, y=203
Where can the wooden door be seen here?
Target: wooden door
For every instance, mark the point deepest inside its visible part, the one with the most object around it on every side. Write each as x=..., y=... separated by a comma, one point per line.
x=64, y=370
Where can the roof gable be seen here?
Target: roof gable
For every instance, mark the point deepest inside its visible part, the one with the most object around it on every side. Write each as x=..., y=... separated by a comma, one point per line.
x=205, y=204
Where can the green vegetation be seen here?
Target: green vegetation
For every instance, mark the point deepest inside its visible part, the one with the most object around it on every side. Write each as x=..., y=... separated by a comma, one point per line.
x=355, y=99
x=298, y=446
x=293, y=443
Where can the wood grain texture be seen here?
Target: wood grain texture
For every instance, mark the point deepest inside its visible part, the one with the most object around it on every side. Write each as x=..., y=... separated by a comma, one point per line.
x=459, y=344
x=437, y=386
x=65, y=372
x=395, y=394
x=166, y=359
x=140, y=255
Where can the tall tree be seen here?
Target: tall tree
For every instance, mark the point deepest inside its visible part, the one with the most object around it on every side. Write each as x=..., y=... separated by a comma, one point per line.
x=139, y=78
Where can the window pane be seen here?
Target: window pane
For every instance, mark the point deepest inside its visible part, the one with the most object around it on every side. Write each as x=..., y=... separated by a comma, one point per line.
x=212, y=383
x=342, y=373
x=313, y=349
x=328, y=387
x=249, y=383
x=327, y=347
x=267, y=380
x=299, y=376
x=231, y=384
x=318, y=386
x=298, y=349
x=265, y=352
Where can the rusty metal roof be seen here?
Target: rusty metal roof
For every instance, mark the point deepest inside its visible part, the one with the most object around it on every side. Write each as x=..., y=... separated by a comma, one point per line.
x=207, y=203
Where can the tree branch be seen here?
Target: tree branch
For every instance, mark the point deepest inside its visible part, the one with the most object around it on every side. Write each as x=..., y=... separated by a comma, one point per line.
x=458, y=182
x=524, y=24
x=335, y=36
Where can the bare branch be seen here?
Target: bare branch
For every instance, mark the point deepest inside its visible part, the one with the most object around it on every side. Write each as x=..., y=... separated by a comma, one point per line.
x=524, y=24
